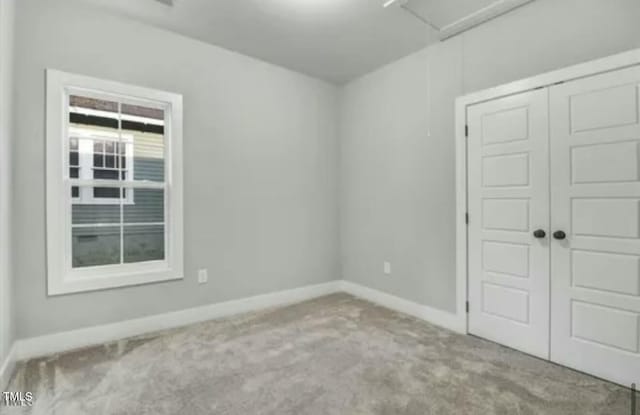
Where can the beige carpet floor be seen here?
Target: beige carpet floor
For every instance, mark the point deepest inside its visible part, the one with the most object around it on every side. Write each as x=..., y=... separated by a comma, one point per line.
x=332, y=355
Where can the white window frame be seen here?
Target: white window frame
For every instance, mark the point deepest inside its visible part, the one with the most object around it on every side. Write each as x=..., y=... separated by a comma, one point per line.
x=62, y=278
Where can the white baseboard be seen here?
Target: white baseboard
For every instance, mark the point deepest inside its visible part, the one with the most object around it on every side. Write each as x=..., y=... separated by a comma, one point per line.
x=6, y=370
x=61, y=342
x=431, y=315
x=91, y=336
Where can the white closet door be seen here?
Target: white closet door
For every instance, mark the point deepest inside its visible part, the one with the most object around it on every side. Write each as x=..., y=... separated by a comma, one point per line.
x=595, y=199
x=508, y=189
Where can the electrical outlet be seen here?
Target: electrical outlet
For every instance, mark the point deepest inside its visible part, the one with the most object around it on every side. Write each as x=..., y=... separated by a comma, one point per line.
x=203, y=276
x=387, y=268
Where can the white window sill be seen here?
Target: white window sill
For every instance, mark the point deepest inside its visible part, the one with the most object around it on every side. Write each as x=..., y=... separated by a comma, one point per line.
x=71, y=285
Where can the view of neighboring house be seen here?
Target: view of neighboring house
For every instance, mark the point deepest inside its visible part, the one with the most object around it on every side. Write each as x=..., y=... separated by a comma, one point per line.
x=111, y=143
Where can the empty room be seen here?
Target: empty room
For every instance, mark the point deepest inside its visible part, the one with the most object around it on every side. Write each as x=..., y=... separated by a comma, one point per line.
x=341, y=207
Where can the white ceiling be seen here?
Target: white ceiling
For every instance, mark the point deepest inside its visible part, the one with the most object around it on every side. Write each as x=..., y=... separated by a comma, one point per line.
x=335, y=40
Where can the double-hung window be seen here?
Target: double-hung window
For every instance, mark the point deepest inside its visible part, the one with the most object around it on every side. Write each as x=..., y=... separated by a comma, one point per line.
x=114, y=184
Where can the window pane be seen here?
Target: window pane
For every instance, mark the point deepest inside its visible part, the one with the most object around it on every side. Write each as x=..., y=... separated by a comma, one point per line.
x=74, y=172
x=94, y=246
x=143, y=243
x=96, y=231
x=142, y=118
x=109, y=161
x=93, y=213
x=147, y=207
x=106, y=193
x=88, y=111
x=146, y=126
x=94, y=126
x=74, y=159
x=75, y=192
x=101, y=174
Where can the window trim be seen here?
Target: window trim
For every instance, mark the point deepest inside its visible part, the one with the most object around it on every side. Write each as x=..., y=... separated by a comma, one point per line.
x=61, y=277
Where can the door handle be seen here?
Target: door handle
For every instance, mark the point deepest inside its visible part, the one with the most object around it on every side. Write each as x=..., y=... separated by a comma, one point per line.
x=559, y=235
x=540, y=233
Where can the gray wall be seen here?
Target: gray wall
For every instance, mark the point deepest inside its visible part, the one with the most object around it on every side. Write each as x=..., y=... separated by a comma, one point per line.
x=397, y=182
x=262, y=154
x=6, y=91
x=260, y=143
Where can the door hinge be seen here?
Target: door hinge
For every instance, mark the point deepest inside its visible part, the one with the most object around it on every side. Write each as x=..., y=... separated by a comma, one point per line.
x=466, y=131
x=467, y=307
x=466, y=218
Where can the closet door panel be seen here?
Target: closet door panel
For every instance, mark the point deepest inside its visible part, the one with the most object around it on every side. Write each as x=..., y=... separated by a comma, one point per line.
x=508, y=201
x=595, y=200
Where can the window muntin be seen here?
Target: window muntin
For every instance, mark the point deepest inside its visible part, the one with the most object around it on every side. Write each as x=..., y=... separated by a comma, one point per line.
x=114, y=197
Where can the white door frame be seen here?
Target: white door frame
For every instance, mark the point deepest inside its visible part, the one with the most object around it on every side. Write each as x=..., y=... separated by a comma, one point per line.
x=610, y=63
